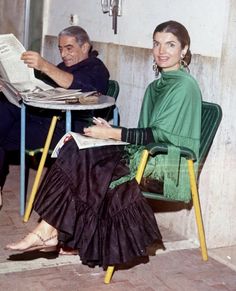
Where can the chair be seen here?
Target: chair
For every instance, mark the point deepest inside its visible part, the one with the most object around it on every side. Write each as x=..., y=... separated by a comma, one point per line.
x=113, y=91
x=111, y=113
x=211, y=118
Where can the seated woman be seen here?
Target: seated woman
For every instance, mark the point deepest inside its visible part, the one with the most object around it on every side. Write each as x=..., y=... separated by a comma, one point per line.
x=90, y=200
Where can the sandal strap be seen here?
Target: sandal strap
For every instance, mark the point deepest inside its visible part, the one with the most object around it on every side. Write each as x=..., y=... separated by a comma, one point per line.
x=44, y=240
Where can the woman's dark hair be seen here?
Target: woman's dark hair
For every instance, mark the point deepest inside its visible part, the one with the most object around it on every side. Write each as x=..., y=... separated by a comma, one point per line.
x=80, y=35
x=178, y=30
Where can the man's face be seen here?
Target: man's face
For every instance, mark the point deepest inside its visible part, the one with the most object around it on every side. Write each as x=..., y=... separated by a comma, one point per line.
x=71, y=52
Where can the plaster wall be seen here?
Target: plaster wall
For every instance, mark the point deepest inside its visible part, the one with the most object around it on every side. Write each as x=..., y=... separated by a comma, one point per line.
x=139, y=18
x=8, y=22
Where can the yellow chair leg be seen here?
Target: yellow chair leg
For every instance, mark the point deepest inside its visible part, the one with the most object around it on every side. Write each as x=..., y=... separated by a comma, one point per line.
x=40, y=169
x=141, y=166
x=197, y=209
x=138, y=177
x=108, y=275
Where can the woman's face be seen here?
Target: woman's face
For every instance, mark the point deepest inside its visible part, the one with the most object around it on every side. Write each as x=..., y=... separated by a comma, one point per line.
x=167, y=51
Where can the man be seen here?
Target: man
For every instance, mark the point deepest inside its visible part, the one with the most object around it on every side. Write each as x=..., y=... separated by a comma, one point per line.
x=79, y=69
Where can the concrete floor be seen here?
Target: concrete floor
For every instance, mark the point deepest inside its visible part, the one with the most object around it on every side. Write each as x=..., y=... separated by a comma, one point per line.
x=178, y=267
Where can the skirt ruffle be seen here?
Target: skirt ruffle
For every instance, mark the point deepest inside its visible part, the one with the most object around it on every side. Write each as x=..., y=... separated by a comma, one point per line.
x=107, y=226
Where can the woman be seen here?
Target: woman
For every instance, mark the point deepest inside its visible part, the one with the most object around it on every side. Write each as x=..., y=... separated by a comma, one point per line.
x=90, y=200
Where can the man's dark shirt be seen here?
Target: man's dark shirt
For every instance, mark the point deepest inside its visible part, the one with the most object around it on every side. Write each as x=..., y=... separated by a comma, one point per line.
x=89, y=75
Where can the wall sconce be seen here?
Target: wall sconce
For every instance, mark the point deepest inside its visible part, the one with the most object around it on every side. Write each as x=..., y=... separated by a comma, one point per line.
x=114, y=9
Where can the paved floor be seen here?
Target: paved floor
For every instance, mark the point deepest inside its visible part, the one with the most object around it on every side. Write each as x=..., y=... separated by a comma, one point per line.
x=177, y=268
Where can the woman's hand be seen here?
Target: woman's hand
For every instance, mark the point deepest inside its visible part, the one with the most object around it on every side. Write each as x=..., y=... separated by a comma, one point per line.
x=97, y=131
x=101, y=122
x=103, y=130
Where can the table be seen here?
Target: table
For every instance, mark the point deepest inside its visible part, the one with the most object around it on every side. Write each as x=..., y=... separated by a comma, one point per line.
x=103, y=102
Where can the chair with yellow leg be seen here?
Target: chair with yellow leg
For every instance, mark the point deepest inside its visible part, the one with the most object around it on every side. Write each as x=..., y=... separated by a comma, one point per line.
x=113, y=91
x=211, y=118
x=142, y=164
x=31, y=153
x=44, y=151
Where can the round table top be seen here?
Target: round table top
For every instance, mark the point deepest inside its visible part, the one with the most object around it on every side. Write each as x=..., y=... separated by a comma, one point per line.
x=103, y=102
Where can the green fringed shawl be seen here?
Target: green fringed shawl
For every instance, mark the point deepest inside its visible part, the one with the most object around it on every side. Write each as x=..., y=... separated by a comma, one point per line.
x=172, y=109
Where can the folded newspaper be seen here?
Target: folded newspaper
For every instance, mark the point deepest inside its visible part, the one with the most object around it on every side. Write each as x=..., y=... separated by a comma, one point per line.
x=16, y=76
x=19, y=83
x=84, y=142
x=60, y=96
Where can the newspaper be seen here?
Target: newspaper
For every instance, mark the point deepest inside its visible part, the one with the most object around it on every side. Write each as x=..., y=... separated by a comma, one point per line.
x=14, y=71
x=12, y=68
x=19, y=83
x=58, y=96
x=84, y=142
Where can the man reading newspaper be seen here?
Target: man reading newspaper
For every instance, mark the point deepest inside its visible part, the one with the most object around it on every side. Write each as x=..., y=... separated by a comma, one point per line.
x=80, y=69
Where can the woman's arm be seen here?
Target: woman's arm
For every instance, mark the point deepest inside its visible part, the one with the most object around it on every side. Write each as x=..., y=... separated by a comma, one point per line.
x=102, y=129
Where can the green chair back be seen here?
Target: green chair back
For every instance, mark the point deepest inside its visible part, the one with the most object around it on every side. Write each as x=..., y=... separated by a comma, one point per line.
x=113, y=111
x=211, y=118
x=210, y=121
x=113, y=89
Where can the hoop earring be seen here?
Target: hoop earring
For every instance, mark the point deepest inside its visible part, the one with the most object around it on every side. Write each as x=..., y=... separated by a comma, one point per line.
x=155, y=68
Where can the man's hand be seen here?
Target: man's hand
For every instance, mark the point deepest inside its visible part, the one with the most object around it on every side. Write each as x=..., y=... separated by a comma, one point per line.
x=33, y=60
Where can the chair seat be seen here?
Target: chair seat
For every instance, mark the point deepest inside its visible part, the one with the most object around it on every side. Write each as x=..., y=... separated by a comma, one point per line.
x=156, y=196
x=34, y=152
x=162, y=148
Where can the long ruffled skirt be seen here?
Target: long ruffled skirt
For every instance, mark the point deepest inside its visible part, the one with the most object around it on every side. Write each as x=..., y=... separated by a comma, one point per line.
x=107, y=226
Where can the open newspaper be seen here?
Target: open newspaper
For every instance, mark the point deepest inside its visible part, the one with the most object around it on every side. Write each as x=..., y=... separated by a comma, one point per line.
x=84, y=142
x=19, y=83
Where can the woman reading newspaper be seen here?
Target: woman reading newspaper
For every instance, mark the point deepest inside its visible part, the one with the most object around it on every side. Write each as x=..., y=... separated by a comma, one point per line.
x=90, y=200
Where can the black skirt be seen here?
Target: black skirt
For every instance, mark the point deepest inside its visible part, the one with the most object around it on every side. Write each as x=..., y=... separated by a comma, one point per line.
x=107, y=226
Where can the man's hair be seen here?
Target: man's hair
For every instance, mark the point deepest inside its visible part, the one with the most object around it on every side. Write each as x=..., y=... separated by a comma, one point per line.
x=81, y=37
x=78, y=33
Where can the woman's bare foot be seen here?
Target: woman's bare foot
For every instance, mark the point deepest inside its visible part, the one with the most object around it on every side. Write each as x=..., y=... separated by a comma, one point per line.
x=43, y=237
x=68, y=251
